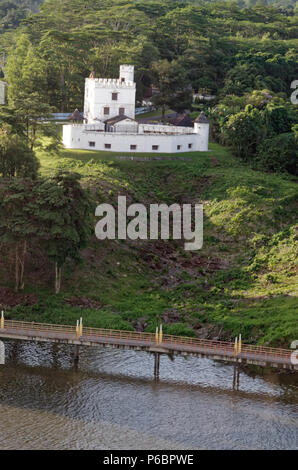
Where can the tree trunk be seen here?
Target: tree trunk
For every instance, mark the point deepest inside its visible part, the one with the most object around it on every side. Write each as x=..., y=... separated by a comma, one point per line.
x=16, y=268
x=27, y=128
x=62, y=83
x=58, y=274
x=33, y=138
x=22, y=264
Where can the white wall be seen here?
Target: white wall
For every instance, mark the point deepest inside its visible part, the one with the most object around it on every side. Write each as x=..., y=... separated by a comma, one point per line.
x=126, y=125
x=162, y=129
x=79, y=136
x=98, y=95
x=202, y=129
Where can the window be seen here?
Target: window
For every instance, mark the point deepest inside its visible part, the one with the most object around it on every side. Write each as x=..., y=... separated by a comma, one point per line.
x=114, y=96
x=122, y=79
x=189, y=146
x=121, y=111
x=107, y=146
x=178, y=147
x=133, y=147
x=154, y=147
x=106, y=111
x=91, y=144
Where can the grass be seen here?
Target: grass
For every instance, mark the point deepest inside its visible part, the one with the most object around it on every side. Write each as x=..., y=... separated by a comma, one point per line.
x=244, y=279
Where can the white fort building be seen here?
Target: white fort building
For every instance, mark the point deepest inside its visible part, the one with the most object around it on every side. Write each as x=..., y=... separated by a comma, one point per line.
x=109, y=122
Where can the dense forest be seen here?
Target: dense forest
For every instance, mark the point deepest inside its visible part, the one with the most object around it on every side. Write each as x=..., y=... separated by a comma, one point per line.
x=12, y=12
x=219, y=47
x=216, y=43
x=246, y=57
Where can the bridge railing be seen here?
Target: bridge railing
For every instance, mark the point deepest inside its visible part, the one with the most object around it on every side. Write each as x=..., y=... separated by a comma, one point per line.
x=139, y=337
x=170, y=341
x=26, y=327
x=229, y=348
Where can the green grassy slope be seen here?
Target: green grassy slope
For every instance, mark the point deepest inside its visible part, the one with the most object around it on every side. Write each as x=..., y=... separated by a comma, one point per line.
x=242, y=280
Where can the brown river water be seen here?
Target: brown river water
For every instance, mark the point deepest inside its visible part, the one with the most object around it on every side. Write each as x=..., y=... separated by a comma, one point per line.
x=111, y=401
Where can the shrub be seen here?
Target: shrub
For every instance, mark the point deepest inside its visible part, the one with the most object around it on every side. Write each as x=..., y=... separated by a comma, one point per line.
x=279, y=153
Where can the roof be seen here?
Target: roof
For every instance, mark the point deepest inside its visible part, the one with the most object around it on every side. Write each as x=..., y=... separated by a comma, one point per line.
x=76, y=116
x=202, y=119
x=116, y=119
x=181, y=120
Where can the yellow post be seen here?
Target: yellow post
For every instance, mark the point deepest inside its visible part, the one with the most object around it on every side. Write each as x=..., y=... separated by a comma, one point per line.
x=77, y=330
x=236, y=347
x=160, y=334
x=81, y=326
x=239, y=344
x=2, y=321
x=156, y=336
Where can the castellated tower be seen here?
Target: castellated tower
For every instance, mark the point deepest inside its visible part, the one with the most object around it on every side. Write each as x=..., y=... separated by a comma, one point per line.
x=126, y=73
x=110, y=125
x=106, y=98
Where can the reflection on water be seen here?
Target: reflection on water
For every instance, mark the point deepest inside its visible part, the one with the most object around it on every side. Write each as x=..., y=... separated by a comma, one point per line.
x=112, y=402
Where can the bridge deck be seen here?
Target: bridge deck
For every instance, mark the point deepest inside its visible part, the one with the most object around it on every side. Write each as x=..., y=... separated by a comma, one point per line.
x=220, y=350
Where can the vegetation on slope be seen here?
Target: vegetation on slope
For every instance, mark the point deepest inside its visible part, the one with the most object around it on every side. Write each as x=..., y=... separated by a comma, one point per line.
x=243, y=279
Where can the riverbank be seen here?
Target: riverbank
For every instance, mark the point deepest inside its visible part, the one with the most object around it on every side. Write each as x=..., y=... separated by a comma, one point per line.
x=243, y=280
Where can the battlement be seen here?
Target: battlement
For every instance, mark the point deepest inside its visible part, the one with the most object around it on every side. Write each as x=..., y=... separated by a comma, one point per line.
x=129, y=68
x=111, y=83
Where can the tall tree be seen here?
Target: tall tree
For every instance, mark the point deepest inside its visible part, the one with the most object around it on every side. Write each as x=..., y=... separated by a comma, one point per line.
x=244, y=132
x=33, y=114
x=65, y=215
x=174, y=90
x=17, y=225
x=16, y=158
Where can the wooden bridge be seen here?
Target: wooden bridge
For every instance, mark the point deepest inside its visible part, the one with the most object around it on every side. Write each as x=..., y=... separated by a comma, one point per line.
x=157, y=343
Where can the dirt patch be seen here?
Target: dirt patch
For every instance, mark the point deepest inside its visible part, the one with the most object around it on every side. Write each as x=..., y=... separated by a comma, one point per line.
x=214, y=161
x=140, y=324
x=213, y=332
x=10, y=299
x=169, y=262
x=84, y=302
x=171, y=316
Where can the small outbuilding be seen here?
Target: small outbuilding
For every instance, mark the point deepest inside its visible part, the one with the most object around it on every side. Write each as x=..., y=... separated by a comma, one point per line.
x=121, y=123
x=183, y=120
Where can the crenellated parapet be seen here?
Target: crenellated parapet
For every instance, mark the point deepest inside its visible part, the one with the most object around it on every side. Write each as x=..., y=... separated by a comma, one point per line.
x=110, y=83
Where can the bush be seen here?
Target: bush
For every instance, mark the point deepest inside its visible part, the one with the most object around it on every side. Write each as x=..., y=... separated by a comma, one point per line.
x=279, y=153
x=179, y=329
x=244, y=131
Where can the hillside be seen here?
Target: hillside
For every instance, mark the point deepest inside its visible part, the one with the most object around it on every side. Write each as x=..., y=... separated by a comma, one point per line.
x=243, y=279
x=214, y=47
x=12, y=12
